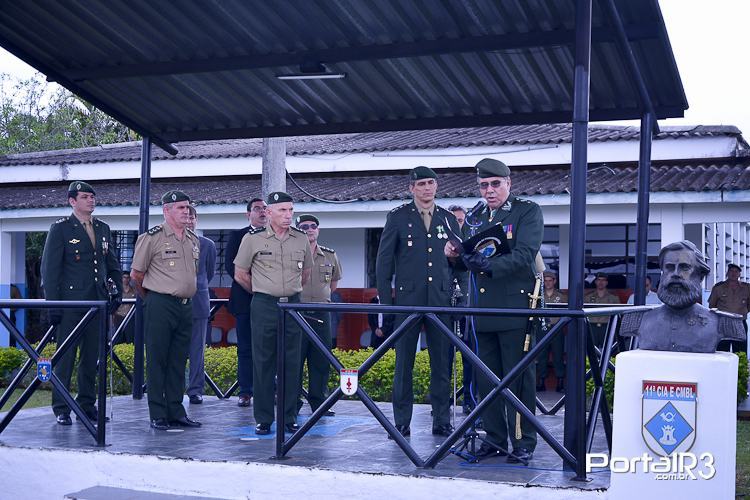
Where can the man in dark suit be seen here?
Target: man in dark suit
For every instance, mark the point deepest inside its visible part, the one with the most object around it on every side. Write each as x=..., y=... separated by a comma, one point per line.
x=411, y=248
x=201, y=308
x=504, y=280
x=381, y=326
x=239, y=301
x=78, y=259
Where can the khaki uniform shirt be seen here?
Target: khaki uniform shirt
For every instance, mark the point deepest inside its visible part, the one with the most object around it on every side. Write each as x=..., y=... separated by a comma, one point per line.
x=557, y=297
x=170, y=265
x=593, y=298
x=326, y=268
x=734, y=300
x=275, y=265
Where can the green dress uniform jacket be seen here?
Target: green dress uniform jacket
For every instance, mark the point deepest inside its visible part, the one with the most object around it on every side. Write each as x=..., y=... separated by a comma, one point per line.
x=423, y=277
x=74, y=269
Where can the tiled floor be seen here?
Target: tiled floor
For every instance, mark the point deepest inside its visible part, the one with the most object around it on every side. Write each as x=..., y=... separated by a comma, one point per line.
x=351, y=441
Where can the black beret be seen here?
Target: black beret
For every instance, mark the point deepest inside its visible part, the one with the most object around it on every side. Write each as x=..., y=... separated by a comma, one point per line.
x=174, y=196
x=602, y=275
x=307, y=218
x=419, y=173
x=76, y=187
x=492, y=168
x=730, y=266
x=278, y=197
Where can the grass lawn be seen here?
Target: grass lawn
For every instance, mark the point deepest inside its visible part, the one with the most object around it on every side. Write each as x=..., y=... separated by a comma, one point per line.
x=39, y=398
x=743, y=458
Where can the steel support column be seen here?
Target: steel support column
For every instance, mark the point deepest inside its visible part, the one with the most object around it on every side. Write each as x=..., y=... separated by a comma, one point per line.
x=575, y=403
x=145, y=203
x=644, y=186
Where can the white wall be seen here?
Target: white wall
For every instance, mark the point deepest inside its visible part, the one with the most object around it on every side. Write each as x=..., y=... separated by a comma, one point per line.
x=350, y=248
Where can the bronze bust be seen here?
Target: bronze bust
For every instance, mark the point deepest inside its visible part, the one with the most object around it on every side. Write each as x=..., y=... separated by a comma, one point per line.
x=682, y=324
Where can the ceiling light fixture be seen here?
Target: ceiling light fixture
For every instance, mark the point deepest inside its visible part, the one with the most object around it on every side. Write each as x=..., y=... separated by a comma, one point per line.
x=312, y=71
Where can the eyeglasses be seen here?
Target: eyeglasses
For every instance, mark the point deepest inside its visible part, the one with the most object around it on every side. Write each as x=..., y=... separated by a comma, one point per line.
x=494, y=184
x=258, y=209
x=305, y=227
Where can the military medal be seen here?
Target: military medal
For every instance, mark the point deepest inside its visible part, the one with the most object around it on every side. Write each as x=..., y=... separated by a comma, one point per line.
x=509, y=231
x=441, y=232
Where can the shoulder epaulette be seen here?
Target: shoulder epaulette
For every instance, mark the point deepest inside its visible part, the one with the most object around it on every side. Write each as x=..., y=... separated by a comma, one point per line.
x=61, y=219
x=155, y=229
x=298, y=230
x=399, y=207
x=631, y=323
x=326, y=249
x=191, y=232
x=256, y=230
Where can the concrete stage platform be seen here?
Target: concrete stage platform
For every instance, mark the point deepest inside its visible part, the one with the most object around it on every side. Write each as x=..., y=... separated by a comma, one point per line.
x=219, y=459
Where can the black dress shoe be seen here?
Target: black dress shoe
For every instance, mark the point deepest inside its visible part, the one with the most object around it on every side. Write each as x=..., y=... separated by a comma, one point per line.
x=184, y=422
x=243, y=400
x=487, y=450
x=443, y=430
x=520, y=456
x=329, y=413
x=560, y=385
x=404, y=430
x=64, y=419
x=263, y=429
x=160, y=424
x=291, y=428
x=196, y=399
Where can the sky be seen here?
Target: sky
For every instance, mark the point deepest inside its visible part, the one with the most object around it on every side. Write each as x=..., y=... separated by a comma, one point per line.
x=710, y=41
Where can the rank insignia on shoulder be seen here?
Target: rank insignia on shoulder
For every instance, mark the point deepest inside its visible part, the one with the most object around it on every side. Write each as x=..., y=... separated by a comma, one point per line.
x=61, y=219
x=399, y=207
x=155, y=229
x=298, y=230
x=326, y=249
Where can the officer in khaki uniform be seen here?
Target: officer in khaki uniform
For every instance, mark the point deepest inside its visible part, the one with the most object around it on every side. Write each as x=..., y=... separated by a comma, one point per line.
x=504, y=280
x=598, y=324
x=165, y=264
x=326, y=273
x=273, y=263
x=552, y=296
x=78, y=259
x=732, y=295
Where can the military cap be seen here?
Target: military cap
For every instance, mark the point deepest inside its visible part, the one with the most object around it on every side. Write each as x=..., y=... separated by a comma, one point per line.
x=278, y=197
x=76, y=187
x=550, y=274
x=307, y=218
x=174, y=196
x=602, y=275
x=735, y=266
x=492, y=168
x=419, y=173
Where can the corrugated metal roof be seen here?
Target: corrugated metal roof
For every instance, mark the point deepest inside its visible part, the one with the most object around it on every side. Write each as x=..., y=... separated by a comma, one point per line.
x=726, y=175
x=190, y=70
x=369, y=142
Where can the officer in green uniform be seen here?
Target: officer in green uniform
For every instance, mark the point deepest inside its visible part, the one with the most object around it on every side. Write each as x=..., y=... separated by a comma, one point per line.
x=505, y=280
x=411, y=247
x=165, y=265
x=598, y=324
x=324, y=279
x=552, y=296
x=78, y=259
x=273, y=263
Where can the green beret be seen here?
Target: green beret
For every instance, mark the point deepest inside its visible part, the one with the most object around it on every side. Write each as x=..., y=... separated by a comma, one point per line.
x=278, y=197
x=492, y=168
x=174, y=196
x=79, y=187
x=602, y=275
x=419, y=173
x=307, y=218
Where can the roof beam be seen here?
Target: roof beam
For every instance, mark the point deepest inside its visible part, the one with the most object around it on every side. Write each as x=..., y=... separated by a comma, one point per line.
x=396, y=50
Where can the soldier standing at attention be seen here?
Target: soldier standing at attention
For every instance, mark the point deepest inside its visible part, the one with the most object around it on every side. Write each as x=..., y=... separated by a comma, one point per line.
x=505, y=281
x=239, y=301
x=201, y=308
x=78, y=259
x=732, y=295
x=273, y=264
x=552, y=296
x=165, y=264
x=411, y=248
x=324, y=279
x=598, y=324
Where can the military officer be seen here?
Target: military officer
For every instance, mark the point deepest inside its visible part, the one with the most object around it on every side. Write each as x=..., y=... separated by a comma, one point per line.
x=732, y=295
x=165, y=265
x=78, y=259
x=411, y=249
x=598, y=324
x=505, y=280
x=324, y=279
x=273, y=263
x=552, y=296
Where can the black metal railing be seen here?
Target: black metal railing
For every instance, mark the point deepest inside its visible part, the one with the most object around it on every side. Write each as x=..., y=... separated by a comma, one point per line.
x=94, y=308
x=599, y=361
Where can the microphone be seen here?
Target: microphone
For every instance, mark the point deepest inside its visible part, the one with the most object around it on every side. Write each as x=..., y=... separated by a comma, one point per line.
x=476, y=209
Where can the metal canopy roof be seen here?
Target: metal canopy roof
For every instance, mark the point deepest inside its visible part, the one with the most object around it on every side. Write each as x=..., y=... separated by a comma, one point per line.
x=195, y=70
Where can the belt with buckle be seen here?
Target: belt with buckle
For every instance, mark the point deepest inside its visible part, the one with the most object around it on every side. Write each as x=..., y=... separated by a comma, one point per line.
x=184, y=301
x=283, y=299
x=599, y=324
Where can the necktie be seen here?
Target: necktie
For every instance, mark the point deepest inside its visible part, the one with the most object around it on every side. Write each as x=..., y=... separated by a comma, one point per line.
x=90, y=231
x=427, y=218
